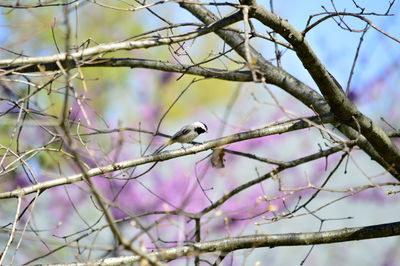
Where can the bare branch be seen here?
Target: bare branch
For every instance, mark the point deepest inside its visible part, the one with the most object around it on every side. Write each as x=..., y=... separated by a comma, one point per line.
x=263, y=240
x=127, y=45
x=262, y=132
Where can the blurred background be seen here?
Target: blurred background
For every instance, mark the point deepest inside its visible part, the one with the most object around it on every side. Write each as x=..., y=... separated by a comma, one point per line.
x=106, y=103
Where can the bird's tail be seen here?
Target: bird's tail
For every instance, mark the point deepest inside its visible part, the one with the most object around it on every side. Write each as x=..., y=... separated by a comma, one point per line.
x=159, y=149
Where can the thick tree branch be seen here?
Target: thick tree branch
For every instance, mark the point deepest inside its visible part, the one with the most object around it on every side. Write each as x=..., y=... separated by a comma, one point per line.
x=263, y=240
x=207, y=72
x=290, y=84
x=272, y=75
x=341, y=106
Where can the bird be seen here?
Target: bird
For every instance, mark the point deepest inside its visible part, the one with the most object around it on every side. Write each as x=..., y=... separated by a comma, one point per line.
x=185, y=135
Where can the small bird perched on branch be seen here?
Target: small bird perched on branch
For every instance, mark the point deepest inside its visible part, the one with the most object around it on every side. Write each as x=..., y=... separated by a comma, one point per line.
x=185, y=135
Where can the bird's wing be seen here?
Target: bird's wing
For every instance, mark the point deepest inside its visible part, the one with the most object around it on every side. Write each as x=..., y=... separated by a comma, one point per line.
x=182, y=131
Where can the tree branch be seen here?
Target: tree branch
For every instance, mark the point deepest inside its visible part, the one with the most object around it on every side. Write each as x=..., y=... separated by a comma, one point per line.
x=287, y=82
x=207, y=72
x=263, y=240
x=127, y=45
x=345, y=111
x=261, y=132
